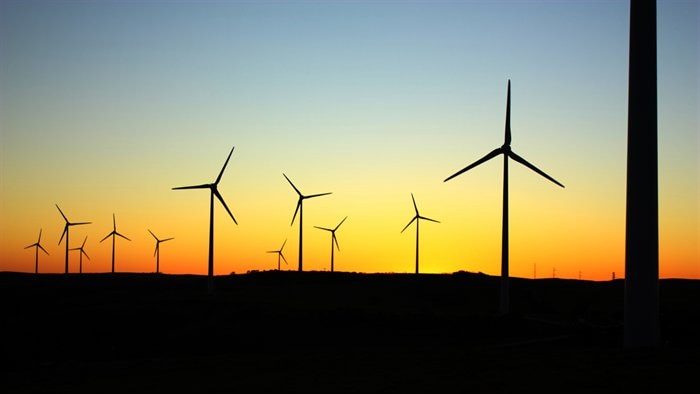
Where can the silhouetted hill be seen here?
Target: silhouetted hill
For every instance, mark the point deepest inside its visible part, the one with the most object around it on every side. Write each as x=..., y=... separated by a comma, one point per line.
x=334, y=332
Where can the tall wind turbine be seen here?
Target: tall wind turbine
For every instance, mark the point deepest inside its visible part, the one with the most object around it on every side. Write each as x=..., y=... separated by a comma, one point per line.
x=506, y=152
x=279, y=254
x=82, y=252
x=417, y=219
x=156, y=253
x=214, y=191
x=37, y=246
x=333, y=238
x=641, y=302
x=114, y=235
x=300, y=209
x=66, y=232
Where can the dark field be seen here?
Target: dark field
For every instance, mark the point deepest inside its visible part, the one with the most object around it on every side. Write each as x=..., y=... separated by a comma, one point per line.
x=335, y=332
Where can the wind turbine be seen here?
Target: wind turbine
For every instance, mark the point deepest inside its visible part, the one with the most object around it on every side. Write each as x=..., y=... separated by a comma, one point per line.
x=279, y=254
x=82, y=252
x=333, y=238
x=114, y=234
x=37, y=246
x=641, y=301
x=214, y=191
x=417, y=219
x=157, y=251
x=506, y=152
x=300, y=209
x=66, y=232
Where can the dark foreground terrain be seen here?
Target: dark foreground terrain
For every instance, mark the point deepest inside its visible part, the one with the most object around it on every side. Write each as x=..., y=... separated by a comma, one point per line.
x=335, y=332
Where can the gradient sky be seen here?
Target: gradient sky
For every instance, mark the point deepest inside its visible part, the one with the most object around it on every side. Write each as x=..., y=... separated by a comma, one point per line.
x=107, y=105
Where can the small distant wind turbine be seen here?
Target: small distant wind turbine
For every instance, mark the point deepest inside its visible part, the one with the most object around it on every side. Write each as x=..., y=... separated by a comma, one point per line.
x=333, y=238
x=214, y=191
x=37, y=246
x=66, y=232
x=300, y=209
x=506, y=152
x=417, y=219
x=82, y=252
x=156, y=253
x=279, y=254
x=114, y=234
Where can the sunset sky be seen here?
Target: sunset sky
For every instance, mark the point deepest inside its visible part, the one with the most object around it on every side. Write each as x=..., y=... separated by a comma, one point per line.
x=105, y=106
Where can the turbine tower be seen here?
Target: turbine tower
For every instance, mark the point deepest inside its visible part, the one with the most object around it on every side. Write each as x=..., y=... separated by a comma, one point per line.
x=506, y=151
x=300, y=210
x=279, y=254
x=82, y=252
x=417, y=219
x=333, y=239
x=214, y=191
x=114, y=235
x=66, y=232
x=641, y=304
x=37, y=246
x=156, y=253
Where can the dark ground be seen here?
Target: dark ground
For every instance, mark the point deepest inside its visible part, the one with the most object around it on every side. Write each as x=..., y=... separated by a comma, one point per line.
x=335, y=332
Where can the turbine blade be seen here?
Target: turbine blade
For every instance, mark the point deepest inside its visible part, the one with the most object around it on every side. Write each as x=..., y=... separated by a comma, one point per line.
x=39, y=240
x=64, y=216
x=272, y=251
x=65, y=230
x=282, y=256
x=203, y=186
x=85, y=240
x=30, y=246
x=218, y=178
x=323, y=228
x=42, y=248
x=114, y=223
x=409, y=223
x=295, y=188
x=221, y=199
x=341, y=222
x=85, y=253
x=488, y=157
x=284, y=243
x=122, y=236
x=156, y=249
x=524, y=162
x=296, y=210
x=167, y=239
x=507, y=139
x=336, y=241
x=424, y=218
x=154, y=236
x=414, y=204
x=79, y=223
x=318, y=195
x=106, y=236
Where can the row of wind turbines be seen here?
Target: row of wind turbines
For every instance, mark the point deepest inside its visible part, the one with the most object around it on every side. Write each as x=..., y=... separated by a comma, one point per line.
x=504, y=150
x=66, y=233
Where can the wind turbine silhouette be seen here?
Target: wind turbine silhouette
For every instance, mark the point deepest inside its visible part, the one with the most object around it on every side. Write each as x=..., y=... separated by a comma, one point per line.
x=66, y=232
x=506, y=151
x=82, y=252
x=156, y=253
x=37, y=246
x=333, y=238
x=214, y=191
x=114, y=234
x=300, y=209
x=417, y=219
x=279, y=254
